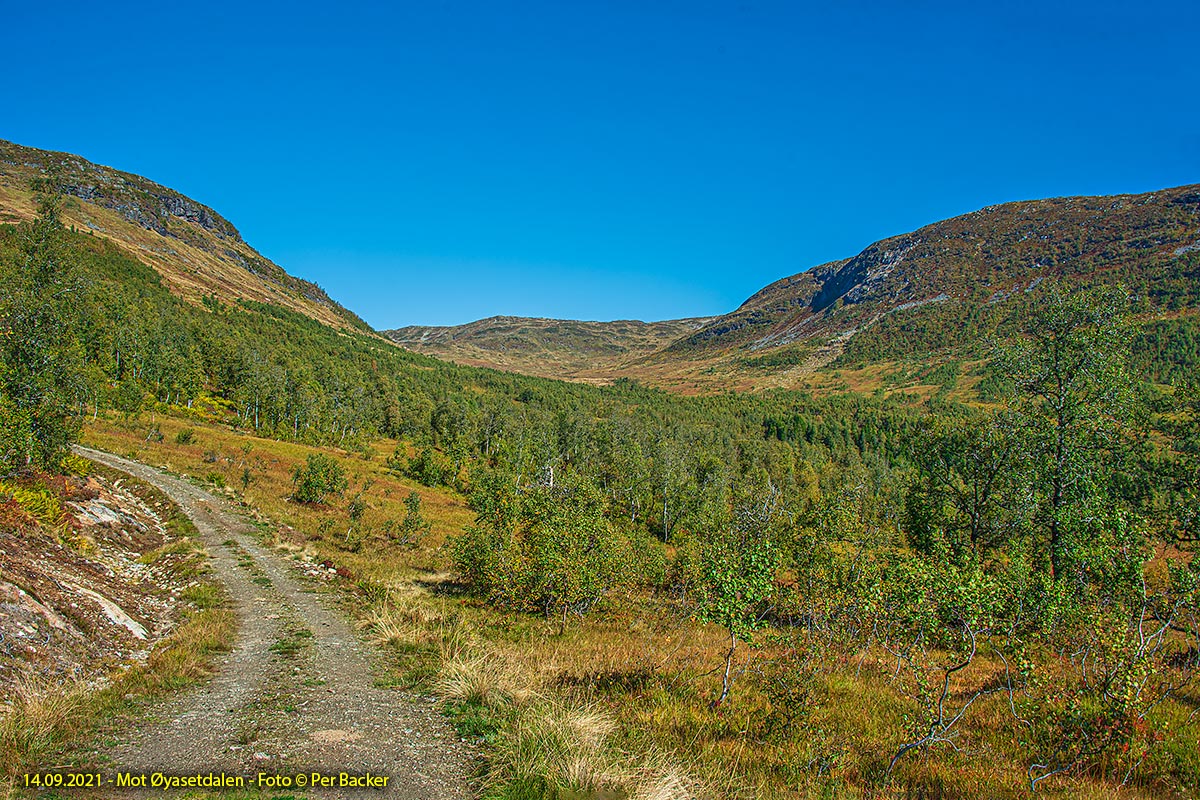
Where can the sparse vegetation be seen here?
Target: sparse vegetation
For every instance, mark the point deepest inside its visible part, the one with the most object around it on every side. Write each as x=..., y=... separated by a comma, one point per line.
x=44, y=715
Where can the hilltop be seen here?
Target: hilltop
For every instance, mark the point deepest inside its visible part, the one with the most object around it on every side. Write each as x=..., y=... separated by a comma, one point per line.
x=550, y=348
x=196, y=250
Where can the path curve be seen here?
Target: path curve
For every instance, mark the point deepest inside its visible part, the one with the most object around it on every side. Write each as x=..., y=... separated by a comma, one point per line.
x=296, y=694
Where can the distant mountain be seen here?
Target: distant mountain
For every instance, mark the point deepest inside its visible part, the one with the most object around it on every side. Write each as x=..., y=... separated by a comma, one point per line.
x=568, y=349
x=196, y=250
x=939, y=292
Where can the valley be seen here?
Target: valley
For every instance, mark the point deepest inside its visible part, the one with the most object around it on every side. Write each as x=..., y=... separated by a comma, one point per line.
x=921, y=522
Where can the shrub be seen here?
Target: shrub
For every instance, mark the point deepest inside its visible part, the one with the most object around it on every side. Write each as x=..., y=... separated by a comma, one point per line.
x=548, y=549
x=430, y=468
x=414, y=527
x=72, y=464
x=16, y=437
x=318, y=478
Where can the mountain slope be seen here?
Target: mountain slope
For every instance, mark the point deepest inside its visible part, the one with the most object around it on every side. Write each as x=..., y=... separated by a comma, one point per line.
x=962, y=266
x=551, y=348
x=942, y=290
x=196, y=250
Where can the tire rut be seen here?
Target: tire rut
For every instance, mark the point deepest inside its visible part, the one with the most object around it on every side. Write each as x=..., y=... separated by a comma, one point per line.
x=296, y=694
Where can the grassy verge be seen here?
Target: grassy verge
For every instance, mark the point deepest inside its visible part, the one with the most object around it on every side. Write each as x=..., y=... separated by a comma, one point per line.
x=44, y=717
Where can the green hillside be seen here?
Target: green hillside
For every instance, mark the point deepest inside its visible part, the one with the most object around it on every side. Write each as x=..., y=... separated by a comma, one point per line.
x=195, y=250
x=953, y=283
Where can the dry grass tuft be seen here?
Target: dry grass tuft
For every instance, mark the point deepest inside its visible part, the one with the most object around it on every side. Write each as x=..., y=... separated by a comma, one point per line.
x=41, y=714
x=590, y=728
x=662, y=780
x=484, y=680
x=561, y=747
x=387, y=628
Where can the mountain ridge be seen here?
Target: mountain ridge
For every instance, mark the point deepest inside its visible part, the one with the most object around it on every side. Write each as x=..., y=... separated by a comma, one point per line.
x=933, y=293
x=193, y=247
x=583, y=350
x=945, y=285
x=1010, y=244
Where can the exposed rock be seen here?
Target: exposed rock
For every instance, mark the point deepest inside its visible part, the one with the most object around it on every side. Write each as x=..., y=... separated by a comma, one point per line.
x=76, y=607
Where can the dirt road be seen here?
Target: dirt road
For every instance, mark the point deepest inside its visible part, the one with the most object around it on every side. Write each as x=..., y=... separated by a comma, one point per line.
x=296, y=695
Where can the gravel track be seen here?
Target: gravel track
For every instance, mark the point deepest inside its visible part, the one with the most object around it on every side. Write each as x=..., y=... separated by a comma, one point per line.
x=296, y=694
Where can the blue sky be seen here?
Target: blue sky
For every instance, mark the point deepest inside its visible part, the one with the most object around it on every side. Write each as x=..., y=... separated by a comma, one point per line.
x=441, y=161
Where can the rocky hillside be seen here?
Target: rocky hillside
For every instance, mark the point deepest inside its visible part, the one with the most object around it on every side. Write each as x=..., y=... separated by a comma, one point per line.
x=91, y=576
x=196, y=250
x=552, y=348
x=952, y=270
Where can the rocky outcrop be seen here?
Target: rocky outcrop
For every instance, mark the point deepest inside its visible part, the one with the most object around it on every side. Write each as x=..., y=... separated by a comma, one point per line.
x=139, y=200
x=91, y=593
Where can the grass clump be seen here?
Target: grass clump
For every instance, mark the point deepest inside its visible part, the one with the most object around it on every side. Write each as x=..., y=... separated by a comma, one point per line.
x=41, y=714
x=204, y=595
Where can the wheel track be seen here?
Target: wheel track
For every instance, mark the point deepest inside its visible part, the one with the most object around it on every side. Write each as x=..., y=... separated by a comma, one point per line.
x=262, y=713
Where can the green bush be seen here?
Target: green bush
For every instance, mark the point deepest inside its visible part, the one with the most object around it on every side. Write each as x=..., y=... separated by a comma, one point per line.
x=430, y=468
x=414, y=527
x=318, y=478
x=546, y=549
x=16, y=437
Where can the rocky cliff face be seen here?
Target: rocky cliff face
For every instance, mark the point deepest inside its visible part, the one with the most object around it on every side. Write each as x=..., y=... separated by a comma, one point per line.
x=137, y=199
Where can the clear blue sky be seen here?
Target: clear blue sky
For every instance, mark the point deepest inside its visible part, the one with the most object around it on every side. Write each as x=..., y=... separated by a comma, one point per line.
x=439, y=161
